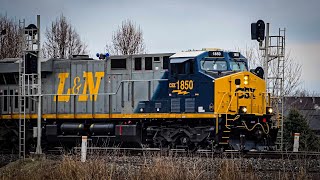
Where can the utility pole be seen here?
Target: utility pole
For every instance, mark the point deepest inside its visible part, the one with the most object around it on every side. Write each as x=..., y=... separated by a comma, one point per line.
x=38, y=149
x=266, y=58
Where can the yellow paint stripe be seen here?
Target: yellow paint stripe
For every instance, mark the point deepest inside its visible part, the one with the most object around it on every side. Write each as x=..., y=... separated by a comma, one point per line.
x=65, y=116
x=34, y=116
x=113, y=116
x=101, y=116
x=49, y=116
x=6, y=116
x=83, y=116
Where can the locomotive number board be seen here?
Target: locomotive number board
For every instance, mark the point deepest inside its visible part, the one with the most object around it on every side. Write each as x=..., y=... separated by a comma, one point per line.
x=215, y=53
x=234, y=54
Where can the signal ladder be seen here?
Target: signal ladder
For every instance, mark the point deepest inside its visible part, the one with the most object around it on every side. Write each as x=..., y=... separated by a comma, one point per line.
x=275, y=80
x=28, y=86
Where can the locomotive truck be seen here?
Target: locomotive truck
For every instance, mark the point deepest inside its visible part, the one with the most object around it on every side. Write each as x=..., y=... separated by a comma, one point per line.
x=202, y=99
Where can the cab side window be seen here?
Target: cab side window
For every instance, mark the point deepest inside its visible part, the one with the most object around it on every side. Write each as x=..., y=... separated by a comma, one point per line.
x=177, y=68
x=191, y=66
x=186, y=67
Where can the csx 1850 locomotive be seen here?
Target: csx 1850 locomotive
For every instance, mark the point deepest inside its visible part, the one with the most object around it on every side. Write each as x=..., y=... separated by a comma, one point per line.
x=196, y=99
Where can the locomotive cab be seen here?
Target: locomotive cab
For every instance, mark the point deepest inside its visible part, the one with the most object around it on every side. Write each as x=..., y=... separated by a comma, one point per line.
x=219, y=83
x=192, y=77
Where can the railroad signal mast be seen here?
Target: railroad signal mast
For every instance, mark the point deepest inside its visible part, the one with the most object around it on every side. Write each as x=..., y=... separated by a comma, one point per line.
x=273, y=51
x=29, y=82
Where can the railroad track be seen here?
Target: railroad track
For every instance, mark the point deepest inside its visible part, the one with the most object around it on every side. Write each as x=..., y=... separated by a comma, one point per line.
x=181, y=152
x=202, y=153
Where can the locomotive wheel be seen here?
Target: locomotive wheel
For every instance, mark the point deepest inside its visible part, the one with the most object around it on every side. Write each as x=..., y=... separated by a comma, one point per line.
x=161, y=142
x=184, y=141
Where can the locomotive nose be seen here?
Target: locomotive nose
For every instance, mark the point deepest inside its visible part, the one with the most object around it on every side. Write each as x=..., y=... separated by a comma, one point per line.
x=239, y=90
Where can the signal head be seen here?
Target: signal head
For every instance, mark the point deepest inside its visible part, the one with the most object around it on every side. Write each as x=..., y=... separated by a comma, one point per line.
x=31, y=30
x=260, y=30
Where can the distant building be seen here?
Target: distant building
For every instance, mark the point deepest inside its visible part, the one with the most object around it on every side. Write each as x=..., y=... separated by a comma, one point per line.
x=307, y=106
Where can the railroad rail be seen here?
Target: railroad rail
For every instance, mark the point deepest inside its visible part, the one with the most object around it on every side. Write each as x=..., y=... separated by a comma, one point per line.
x=201, y=153
x=181, y=153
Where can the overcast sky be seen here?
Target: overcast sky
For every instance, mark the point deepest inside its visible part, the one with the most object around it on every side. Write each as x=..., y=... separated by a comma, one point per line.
x=172, y=26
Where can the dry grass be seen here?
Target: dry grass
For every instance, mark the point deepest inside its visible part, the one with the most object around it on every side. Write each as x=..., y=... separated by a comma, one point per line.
x=150, y=166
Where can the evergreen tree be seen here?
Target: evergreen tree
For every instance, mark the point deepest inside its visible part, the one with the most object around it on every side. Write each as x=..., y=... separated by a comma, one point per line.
x=297, y=123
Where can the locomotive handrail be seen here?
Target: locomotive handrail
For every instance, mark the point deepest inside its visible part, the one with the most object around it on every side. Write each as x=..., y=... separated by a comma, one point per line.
x=73, y=96
x=236, y=95
x=266, y=96
x=108, y=94
x=221, y=100
x=227, y=110
x=113, y=93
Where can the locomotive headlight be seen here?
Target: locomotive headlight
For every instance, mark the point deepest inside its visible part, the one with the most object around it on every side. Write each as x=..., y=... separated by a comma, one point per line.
x=246, y=80
x=243, y=109
x=269, y=110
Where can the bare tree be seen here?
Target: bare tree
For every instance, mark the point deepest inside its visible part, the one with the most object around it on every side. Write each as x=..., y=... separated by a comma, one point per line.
x=292, y=69
x=62, y=40
x=127, y=40
x=9, y=38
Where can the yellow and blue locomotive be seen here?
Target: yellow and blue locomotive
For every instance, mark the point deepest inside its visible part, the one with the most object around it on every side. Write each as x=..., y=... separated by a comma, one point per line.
x=196, y=99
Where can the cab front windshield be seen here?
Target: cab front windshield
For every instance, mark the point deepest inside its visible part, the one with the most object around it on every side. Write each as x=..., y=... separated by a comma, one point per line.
x=238, y=66
x=213, y=65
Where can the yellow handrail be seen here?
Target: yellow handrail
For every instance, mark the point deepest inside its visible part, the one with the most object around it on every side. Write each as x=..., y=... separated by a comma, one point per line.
x=221, y=101
x=229, y=104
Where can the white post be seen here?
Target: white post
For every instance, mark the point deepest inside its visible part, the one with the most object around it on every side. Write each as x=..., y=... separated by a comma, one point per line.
x=84, y=148
x=296, y=142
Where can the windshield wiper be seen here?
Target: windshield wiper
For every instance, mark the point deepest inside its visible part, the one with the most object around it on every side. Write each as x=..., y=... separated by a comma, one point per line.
x=239, y=65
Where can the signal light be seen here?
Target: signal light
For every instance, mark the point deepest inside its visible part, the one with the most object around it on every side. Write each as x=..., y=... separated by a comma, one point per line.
x=31, y=62
x=258, y=31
